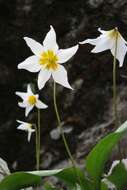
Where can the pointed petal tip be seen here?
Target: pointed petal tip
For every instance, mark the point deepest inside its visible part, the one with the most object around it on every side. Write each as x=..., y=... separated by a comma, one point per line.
x=84, y=42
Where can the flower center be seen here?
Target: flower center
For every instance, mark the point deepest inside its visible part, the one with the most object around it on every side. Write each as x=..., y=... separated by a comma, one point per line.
x=32, y=100
x=29, y=126
x=49, y=60
x=113, y=33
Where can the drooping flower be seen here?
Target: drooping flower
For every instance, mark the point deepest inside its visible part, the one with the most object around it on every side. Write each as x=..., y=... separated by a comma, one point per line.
x=26, y=127
x=30, y=100
x=47, y=60
x=111, y=40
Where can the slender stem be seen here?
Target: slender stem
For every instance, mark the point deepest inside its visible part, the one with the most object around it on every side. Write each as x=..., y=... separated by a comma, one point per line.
x=61, y=130
x=37, y=155
x=39, y=138
x=114, y=85
x=115, y=90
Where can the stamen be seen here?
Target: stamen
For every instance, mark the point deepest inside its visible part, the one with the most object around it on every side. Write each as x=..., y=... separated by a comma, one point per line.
x=32, y=100
x=49, y=59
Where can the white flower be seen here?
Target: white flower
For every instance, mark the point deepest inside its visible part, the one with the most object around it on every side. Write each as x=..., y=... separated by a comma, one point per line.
x=30, y=100
x=107, y=40
x=26, y=127
x=47, y=60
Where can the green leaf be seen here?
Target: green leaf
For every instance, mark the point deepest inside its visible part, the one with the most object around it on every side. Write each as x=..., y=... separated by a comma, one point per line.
x=19, y=180
x=119, y=176
x=97, y=158
x=71, y=176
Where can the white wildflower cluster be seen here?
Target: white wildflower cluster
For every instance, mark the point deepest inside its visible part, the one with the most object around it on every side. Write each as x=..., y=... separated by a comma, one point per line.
x=48, y=59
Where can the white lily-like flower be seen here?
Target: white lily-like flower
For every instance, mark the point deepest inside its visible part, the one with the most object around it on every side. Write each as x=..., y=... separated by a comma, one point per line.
x=47, y=60
x=111, y=40
x=26, y=127
x=30, y=100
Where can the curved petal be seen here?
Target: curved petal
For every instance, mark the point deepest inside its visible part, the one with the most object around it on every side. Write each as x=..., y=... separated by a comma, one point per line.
x=43, y=77
x=22, y=104
x=65, y=54
x=60, y=76
x=35, y=46
x=103, y=44
x=29, y=91
x=29, y=134
x=22, y=127
x=41, y=105
x=22, y=95
x=50, y=40
x=121, y=50
x=30, y=64
x=28, y=109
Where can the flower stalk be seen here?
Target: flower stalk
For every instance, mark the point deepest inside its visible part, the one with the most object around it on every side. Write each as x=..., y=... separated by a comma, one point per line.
x=60, y=126
x=115, y=109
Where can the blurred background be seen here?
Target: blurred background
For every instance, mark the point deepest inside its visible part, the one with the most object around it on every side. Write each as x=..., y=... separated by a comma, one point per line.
x=86, y=112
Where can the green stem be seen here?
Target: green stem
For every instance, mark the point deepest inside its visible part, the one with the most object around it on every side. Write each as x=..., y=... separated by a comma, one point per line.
x=61, y=130
x=62, y=134
x=115, y=90
x=38, y=139
x=114, y=85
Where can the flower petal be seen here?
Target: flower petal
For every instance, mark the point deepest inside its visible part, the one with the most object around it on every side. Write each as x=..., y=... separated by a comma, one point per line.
x=50, y=40
x=35, y=46
x=121, y=50
x=29, y=91
x=22, y=104
x=22, y=127
x=22, y=95
x=65, y=54
x=104, y=43
x=30, y=64
x=43, y=77
x=29, y=134
x=28, y=109
x=60, y=76
x=41, y=105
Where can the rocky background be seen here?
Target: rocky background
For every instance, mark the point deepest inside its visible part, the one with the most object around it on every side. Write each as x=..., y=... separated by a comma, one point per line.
x=86, y=112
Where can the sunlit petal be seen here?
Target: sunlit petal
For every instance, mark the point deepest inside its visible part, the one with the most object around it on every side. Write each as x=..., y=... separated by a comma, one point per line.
x=30, y=64
x=50, y=40
x=60, y=76
x=41, y=105
x=65, y=54
x=28, y=109
x=43, y=77
x=35, y=46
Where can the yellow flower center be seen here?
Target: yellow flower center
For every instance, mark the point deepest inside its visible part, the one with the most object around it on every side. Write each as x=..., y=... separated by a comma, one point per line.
x=29, y=126
x=49, y=60
x=32, y=100
x=113, y=33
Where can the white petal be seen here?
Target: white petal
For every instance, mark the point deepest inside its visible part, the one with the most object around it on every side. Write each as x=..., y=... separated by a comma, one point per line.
x=22, y=122
x=29, y=134
x=50, y=40
x=22, y=104
x=22, y=95
x=30, y=64
x=29, y=91
x=43, y=77
x=28, y=109
x=103, y=44
x=65, y=54
x=60, y=76
x=35, y=46
x=41, y=105
x=22, y=127
x=121, y=50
